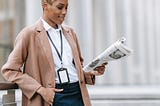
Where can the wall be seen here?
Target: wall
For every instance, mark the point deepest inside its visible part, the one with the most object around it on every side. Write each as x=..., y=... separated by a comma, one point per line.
x=98, y=24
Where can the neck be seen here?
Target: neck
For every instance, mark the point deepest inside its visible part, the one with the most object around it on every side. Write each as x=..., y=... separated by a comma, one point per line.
x=50, y=22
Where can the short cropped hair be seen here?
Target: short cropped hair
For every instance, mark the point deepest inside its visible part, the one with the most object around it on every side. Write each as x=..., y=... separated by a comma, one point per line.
x=48, y=1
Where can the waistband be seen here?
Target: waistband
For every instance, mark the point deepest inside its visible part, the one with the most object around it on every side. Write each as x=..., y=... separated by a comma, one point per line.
x=67, y=86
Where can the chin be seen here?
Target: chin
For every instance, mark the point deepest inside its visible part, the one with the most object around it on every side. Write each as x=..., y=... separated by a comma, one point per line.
x=59, y=23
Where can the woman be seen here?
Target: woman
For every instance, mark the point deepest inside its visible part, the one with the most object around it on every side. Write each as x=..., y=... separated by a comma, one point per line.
x=46, y=62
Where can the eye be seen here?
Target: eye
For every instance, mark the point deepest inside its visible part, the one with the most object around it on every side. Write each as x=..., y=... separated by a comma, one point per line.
x=60, y=7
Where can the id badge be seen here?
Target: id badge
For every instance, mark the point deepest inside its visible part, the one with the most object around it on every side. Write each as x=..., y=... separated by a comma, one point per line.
x=63, y=76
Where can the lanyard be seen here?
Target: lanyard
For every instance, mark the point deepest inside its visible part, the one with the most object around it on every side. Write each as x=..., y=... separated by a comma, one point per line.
x=59, y=55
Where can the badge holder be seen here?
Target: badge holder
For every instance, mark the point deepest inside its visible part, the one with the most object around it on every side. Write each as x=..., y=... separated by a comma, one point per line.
x=63, y=76
x=62, y=72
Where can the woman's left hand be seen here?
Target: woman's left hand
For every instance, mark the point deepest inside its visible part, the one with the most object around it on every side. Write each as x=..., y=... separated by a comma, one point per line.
x=99, y=70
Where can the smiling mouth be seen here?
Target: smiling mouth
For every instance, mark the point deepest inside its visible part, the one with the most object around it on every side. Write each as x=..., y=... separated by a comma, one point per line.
x=61, y=17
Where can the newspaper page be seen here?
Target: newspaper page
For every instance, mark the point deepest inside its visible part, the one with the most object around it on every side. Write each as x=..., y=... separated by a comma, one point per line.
x=114, y=52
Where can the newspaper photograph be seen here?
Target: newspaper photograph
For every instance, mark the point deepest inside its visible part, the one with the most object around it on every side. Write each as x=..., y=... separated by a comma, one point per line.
x=114, y=52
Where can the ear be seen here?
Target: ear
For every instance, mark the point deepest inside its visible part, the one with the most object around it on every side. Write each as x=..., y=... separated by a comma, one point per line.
x=44, y=5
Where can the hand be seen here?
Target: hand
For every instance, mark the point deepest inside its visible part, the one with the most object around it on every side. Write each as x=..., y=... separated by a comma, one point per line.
x=48, y=93
x=99, y=70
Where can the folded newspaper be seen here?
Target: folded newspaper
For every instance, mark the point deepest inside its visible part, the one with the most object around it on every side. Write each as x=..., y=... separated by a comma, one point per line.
x=114, y=52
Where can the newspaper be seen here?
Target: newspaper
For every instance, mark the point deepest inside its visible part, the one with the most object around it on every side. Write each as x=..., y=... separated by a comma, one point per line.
x=114, y=52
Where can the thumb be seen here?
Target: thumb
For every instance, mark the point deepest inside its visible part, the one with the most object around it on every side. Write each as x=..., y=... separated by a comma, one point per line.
x=58, y=90
x=96, y=73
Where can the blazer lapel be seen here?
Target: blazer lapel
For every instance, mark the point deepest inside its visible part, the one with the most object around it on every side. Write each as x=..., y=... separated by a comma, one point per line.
x=45, y=44
x=73, y=46
x=69, y=39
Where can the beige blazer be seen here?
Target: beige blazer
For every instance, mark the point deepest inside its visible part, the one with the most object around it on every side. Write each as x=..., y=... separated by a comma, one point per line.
x=31, y=64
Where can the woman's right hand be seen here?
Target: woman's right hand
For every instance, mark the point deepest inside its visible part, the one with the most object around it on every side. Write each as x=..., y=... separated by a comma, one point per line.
x=48, y=94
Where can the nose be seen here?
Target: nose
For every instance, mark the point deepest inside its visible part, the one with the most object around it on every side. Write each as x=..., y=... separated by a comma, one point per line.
x=64, y=11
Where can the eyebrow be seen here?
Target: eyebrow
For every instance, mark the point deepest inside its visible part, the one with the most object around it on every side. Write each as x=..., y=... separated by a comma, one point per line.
x=62, y=4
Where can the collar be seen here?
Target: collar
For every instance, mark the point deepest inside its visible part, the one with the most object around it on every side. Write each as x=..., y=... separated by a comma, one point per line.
x=48, y=27
x=40, y=27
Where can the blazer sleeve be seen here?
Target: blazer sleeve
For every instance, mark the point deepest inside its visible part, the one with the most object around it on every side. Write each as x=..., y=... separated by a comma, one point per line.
x=89, y=79
x=12, y=70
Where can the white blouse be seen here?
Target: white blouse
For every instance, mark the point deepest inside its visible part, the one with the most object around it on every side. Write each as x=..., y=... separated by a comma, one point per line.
x=67, y=56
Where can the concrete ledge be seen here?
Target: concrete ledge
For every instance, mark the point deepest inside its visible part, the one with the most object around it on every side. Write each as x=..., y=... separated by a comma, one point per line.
x=125, y=95
x=124, y=92
x=125, y=103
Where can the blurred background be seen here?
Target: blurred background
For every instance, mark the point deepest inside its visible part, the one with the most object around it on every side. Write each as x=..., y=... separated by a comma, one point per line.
x=98, y=24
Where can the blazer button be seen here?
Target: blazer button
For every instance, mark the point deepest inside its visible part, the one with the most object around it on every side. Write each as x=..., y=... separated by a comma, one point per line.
x=49, y=85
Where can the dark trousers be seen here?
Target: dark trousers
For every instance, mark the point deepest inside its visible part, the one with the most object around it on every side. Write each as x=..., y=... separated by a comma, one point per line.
x=70, y=96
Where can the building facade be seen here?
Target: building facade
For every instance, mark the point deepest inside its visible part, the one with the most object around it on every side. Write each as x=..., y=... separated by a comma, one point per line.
x=99, y=23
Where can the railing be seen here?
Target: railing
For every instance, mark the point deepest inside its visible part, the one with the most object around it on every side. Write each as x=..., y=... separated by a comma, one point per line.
x=9, y=98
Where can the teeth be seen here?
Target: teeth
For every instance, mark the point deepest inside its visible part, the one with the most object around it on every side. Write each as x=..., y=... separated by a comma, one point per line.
x=60, y=16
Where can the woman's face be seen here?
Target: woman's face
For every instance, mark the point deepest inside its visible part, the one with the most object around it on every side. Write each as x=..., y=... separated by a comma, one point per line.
x=55, y=13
